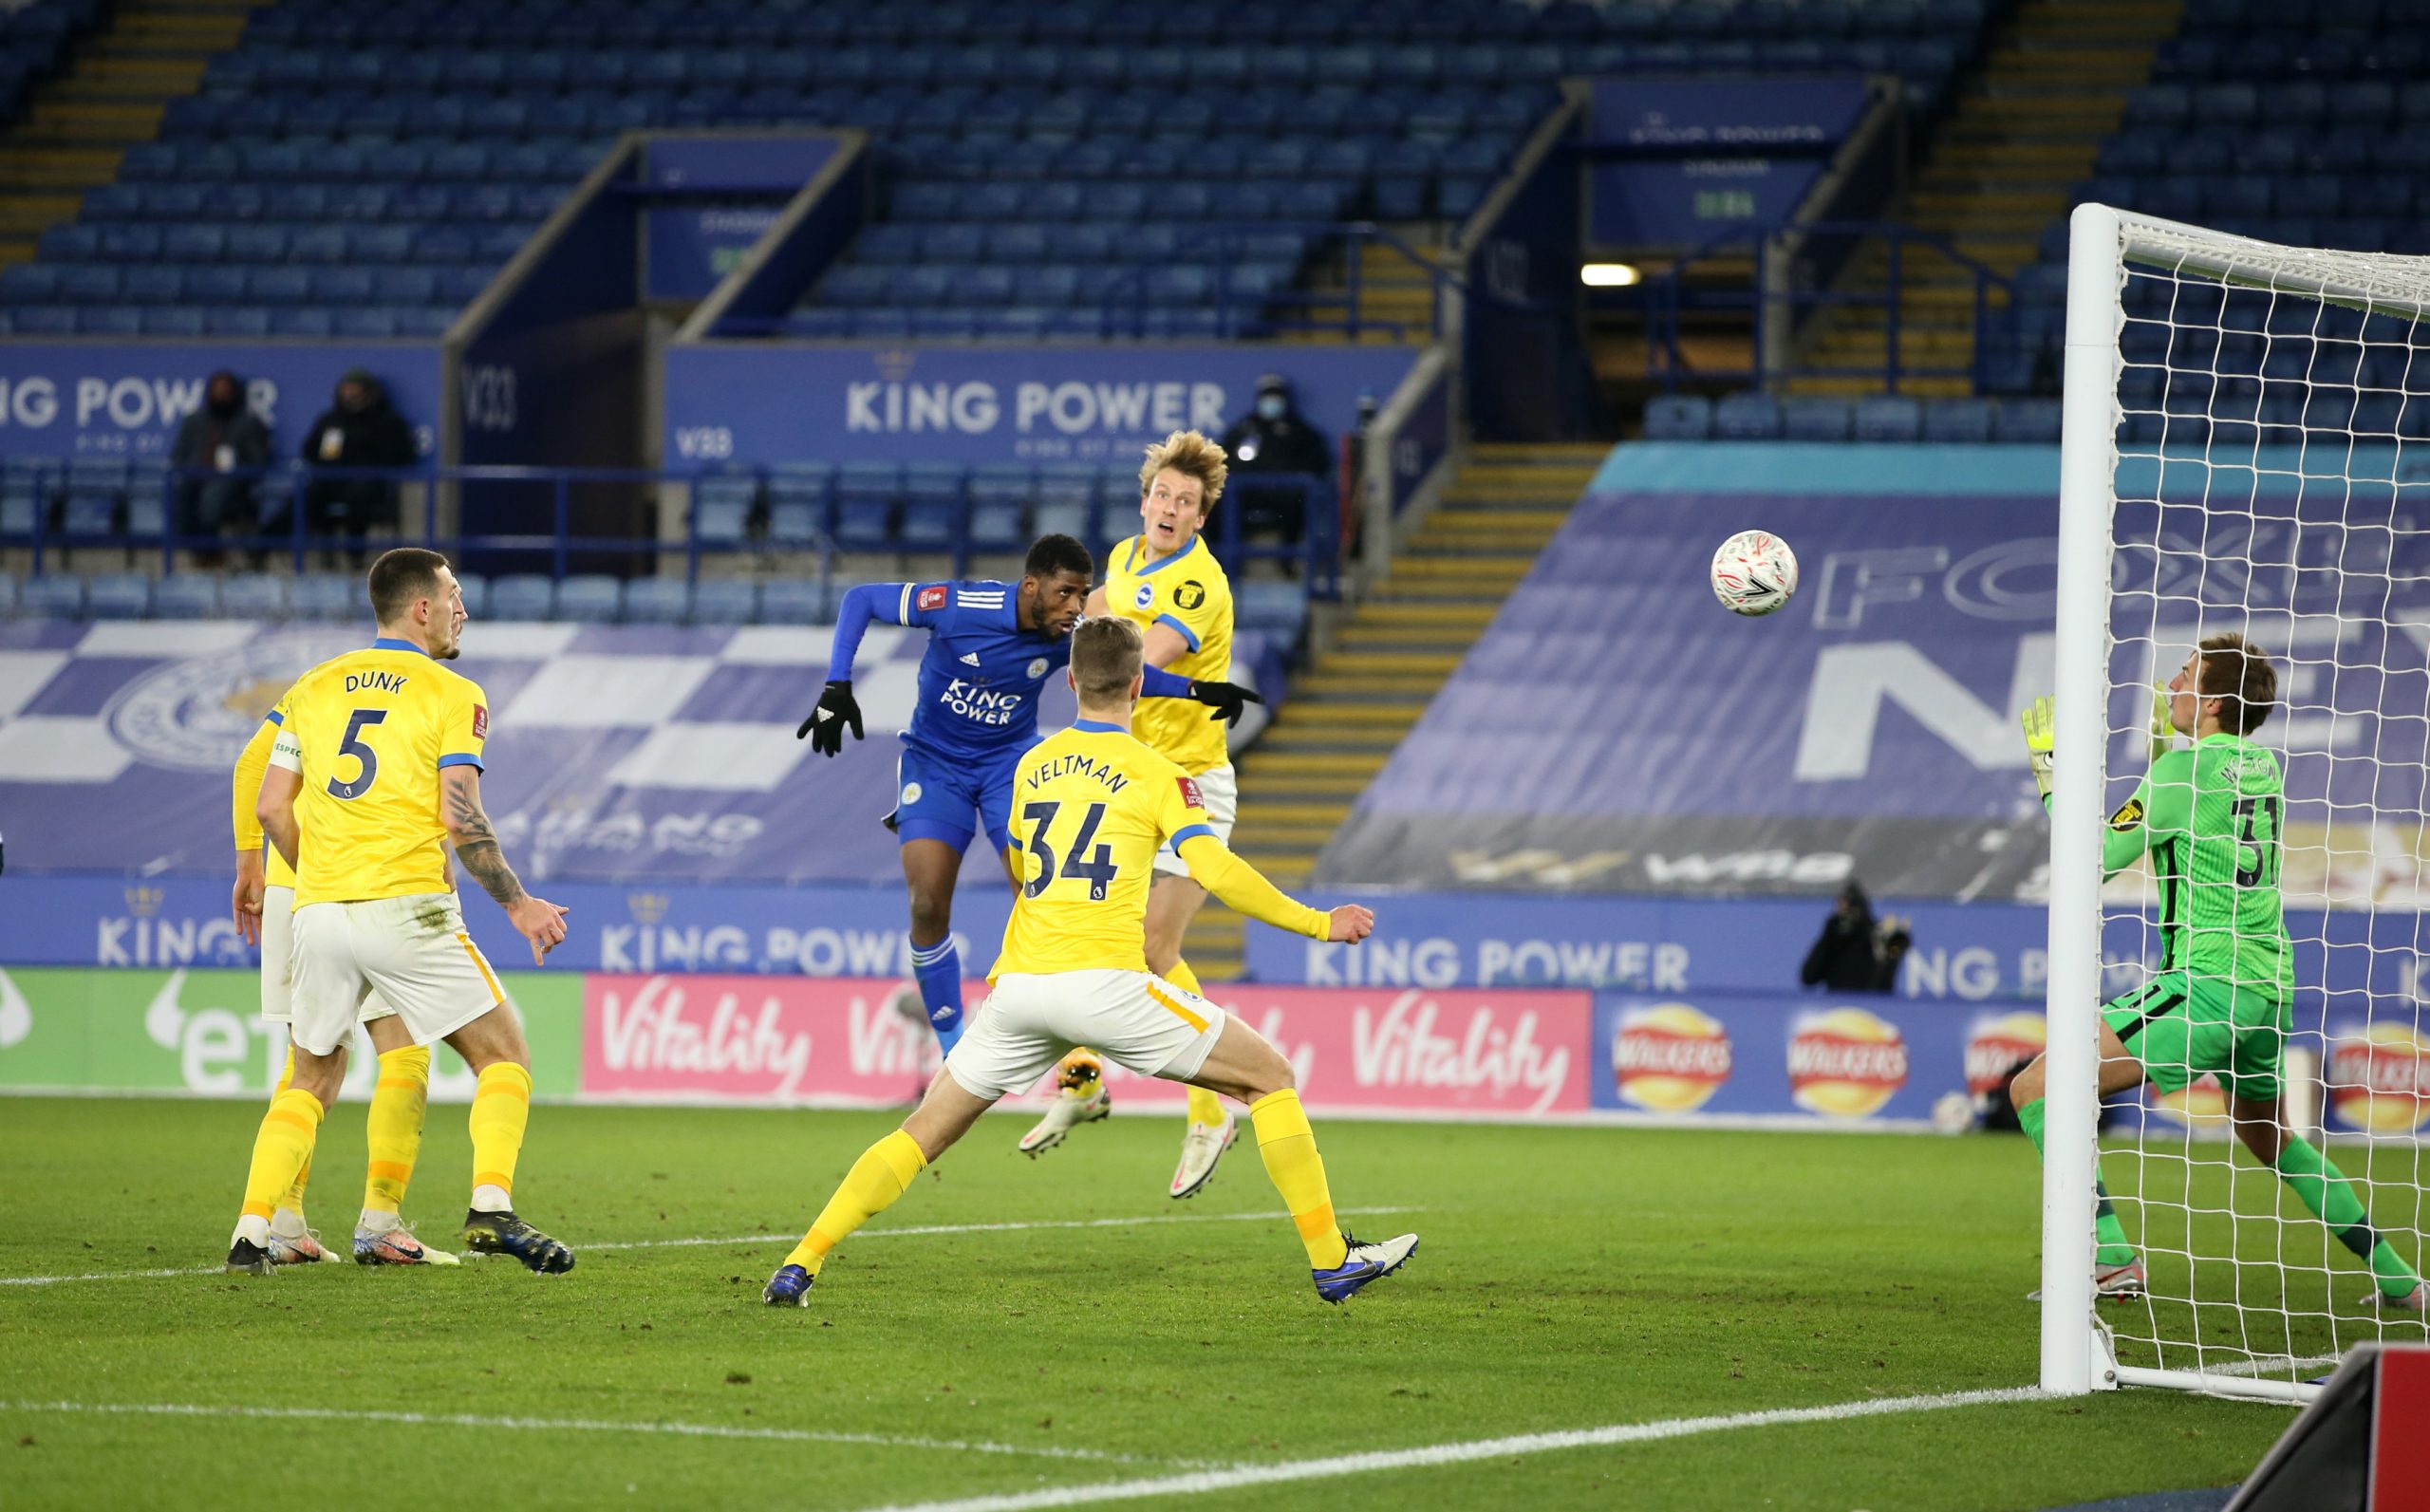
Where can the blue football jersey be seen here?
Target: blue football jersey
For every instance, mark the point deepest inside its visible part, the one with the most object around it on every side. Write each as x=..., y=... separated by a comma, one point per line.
x=981, y=678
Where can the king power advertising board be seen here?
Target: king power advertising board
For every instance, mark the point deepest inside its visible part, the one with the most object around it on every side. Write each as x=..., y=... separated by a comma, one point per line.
x=114, y=398
x=911, y=403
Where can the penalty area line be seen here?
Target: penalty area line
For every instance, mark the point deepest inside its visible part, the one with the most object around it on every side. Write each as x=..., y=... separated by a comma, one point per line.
x=1229, y=1477
x=919, y=1231
x=543, y=1425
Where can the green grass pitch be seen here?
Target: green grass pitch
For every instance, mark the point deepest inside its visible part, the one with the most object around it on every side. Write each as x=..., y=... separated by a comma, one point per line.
x=1571, y=1278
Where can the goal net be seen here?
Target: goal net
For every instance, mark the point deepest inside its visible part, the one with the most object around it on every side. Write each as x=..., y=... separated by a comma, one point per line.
x=2247, y=451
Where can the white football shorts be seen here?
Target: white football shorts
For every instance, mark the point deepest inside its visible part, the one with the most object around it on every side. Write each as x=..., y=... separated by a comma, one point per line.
x=412, y=951
x=278, y=959
x=1136, y=1019
x=1221, y=789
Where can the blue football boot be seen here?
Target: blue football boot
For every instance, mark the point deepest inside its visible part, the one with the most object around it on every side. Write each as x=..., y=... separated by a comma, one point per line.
x=1364, y=1263
x=505, y=1234
x=791, y=1284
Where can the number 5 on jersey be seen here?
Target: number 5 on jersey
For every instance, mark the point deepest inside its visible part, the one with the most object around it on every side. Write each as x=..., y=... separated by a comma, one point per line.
x=369, y=771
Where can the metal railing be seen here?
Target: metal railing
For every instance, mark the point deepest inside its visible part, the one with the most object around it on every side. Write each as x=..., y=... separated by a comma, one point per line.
x=1785, y=309
x=283, y=488
x=1123, y=303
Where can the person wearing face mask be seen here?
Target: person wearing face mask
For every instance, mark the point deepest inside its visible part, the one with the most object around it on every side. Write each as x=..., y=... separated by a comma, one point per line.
x=1273, y=437
x=217, y=449
x=361, y=430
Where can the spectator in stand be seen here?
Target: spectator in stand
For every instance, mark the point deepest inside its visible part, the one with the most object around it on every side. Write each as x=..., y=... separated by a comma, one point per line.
x=217, y=454
x=1273, y=437
x=361, y=430
x=1855, y=954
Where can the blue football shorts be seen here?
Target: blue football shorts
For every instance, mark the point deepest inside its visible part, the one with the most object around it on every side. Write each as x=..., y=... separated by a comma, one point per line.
x=951, y=801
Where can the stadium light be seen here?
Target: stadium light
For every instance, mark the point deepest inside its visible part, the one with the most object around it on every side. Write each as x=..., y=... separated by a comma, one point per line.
x=1609, y=275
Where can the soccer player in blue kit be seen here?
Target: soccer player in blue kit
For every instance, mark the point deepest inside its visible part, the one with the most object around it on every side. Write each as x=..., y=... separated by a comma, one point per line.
x=991, y=649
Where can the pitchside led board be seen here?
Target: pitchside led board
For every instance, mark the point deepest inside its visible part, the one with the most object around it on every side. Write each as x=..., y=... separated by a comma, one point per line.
x=125, y=398
x=1096, y=404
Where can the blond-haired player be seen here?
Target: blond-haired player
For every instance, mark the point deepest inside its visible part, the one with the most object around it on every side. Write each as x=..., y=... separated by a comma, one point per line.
x=378, y=764
x=1167, y=582
x=264, y=903
x=1092, y=809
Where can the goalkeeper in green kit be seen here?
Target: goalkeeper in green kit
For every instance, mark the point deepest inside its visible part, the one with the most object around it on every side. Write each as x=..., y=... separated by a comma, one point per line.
x=2211, y=817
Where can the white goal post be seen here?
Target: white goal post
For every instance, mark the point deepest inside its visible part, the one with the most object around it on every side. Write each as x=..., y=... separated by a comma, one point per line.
x=2240, y=420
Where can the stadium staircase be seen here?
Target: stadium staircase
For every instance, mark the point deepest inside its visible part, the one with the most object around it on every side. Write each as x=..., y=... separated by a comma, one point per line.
x=110, y=99
x=2027, y=128
x=1395, y=296
x=1356, y=701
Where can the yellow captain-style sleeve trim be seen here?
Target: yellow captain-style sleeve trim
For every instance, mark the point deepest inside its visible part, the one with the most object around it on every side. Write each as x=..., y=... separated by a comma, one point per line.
x=1244, y=890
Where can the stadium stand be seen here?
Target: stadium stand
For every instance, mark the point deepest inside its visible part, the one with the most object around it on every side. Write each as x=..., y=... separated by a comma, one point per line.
x=1040, y=163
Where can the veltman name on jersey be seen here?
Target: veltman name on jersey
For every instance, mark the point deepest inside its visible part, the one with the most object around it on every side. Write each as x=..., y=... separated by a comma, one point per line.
x=973, y=701
x=1075, y=764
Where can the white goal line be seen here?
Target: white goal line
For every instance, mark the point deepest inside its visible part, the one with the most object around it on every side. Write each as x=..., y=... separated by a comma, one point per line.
x=917, y=1231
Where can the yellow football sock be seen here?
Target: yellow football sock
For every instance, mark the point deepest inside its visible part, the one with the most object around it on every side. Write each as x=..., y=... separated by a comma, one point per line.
x=280, y=1149
x=294, y=1201
x=1288, y=1147
x=880, y=1176
x=394, y=1126
x=501, y=1108
x=1204, y=1106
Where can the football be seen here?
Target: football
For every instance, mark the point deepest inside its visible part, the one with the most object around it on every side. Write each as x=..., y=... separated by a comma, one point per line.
x=1754, y=572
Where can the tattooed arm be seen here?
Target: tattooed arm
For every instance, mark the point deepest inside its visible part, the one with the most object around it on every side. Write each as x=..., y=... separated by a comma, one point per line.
x=476, y=851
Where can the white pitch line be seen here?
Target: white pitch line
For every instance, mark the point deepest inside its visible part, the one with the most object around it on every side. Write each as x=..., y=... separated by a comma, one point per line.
x=915, y=1232
x=544, y=1425
x=1231, y=1478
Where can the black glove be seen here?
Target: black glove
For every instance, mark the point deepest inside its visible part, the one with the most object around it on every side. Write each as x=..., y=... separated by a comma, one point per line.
x=1228, y=700
x=825, y=727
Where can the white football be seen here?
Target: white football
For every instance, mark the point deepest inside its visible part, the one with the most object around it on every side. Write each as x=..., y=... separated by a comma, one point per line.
x=1754, y=572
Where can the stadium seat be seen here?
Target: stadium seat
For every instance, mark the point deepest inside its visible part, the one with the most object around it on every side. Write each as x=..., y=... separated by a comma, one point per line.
x=655, y=601
x=52, y=596
x=1746, y=418
x=588, y=597
x=1957, y=420
x=1888, y=419
x=254, y=596
x=795, y=602
x=334, y=596
x=2034, y=420
x=119, y=596
x=1678, y=418
x=186, y=596
x=723, y=601
x=522, y=596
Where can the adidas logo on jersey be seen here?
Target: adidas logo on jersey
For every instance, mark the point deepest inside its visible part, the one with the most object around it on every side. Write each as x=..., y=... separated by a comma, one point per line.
x=970, y=658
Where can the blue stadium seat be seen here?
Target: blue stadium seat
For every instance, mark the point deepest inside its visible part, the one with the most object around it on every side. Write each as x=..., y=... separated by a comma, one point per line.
x=119, y=596
x=254, y=596
x=523, y=596
x=477, y=593
x=1957, y=420
x=53, y=596
x=1678, y=418
x=1746, y=418
x=186, y=596
x=588, y=597
x=334, y=596
x=2033, y=421
x=1889, y=418
x=655, y=601
x=1277, y=608
x=795, y=602
x=723, y=601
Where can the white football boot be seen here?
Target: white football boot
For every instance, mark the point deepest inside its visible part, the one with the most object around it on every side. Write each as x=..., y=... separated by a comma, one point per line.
x=1081, y=1098
x=1201, y=1146
x=300, y=1248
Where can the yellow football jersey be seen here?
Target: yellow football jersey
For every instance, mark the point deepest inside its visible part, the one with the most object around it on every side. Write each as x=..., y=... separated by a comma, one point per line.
x=369, y=733
x=1188, y=591
x=247, y=791
x=1091, y=806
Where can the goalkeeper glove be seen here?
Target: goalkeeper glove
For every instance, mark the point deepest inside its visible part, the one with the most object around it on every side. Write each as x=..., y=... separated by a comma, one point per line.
x=2163, y=731
x=2038, y=742
x=1228, y=700
x=825, y=727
